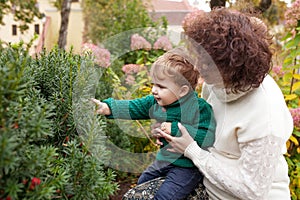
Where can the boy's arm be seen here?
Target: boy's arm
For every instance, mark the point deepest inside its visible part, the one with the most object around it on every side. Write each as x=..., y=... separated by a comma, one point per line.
x=130, y=109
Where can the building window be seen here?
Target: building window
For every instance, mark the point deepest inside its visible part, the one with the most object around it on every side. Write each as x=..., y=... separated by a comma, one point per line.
x=37, y=29
x=14, y=29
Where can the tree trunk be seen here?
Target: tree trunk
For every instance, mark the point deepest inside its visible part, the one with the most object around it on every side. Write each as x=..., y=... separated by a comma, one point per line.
x=63, y=32
x=264, y=5
x=217, y=3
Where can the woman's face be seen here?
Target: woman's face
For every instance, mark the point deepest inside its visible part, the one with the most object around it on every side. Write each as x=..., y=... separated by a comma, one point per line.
x=210, y=74
x=165, y=91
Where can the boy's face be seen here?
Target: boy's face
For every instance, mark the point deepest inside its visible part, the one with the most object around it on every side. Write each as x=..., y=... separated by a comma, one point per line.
x=165, y=91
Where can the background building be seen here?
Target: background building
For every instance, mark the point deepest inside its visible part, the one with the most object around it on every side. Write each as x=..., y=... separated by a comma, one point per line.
x=47, y=28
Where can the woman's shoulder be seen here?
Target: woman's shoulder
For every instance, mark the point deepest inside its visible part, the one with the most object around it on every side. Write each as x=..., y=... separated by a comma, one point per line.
x=268, y=93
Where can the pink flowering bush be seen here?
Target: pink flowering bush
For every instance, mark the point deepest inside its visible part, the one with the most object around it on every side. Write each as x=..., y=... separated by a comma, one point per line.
x=131, y=68
x=139, y=42
x=137, y=63
x=130, y=79
x=278, y=70
x=292, y=15
x=296, y=116
x=101, y=56
x=130, y=71
x=163, y=43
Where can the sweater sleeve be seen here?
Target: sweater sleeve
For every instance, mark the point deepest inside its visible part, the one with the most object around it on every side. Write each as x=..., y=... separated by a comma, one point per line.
x=251, y=178
x=130, y=109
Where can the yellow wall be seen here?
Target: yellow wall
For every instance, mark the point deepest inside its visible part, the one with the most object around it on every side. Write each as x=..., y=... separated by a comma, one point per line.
x=7, y=36
x=75, y=27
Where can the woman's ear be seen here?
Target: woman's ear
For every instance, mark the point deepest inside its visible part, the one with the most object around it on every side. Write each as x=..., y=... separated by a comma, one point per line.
x=184, y=90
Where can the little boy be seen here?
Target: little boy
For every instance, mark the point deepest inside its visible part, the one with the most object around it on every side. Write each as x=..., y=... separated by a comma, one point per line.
x=173, y=101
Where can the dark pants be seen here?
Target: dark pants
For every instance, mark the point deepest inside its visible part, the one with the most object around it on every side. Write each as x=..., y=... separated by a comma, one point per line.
x=179, y=181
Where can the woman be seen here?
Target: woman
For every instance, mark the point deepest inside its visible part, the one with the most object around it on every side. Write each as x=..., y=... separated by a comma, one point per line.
x=253, y=121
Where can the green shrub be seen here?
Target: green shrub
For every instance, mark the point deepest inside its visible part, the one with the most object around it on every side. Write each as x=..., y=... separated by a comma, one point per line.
x=45, y=152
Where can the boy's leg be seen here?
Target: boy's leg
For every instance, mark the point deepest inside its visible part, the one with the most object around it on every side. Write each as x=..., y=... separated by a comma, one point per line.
x=179, y=183
x=155, y=170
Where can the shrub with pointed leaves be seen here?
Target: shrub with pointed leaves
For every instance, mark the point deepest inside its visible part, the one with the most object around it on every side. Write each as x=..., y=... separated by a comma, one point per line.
x=40, y=146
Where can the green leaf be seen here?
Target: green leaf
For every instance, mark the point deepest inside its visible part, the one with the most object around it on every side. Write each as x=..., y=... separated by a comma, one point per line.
x=289, y=44
x=288, y=35
x=297, y=66
x=287, y=77
x=296, y=133
x=288, y=61
x=297, y=39
x=294, y=52
x=140, y=61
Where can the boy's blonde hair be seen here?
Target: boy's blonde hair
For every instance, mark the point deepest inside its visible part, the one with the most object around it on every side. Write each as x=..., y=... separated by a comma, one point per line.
x=177, y=65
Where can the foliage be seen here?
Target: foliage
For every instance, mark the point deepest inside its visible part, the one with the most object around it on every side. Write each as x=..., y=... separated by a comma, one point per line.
x=44, y=152
x=23, y=11
x=105, y=19
x=287, y=76
x=57, y=4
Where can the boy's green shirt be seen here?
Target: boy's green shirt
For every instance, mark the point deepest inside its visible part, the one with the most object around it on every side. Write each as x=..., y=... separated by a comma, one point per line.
x=191, y=111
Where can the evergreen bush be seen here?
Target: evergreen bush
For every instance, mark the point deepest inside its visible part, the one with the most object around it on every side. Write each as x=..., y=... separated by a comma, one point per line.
x=45, y=151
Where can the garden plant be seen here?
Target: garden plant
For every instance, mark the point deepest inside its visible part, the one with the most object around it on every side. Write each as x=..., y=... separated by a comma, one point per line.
x=52, y=144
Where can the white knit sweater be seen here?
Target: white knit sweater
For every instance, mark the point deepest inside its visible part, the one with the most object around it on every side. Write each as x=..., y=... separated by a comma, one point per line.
x=247, y=159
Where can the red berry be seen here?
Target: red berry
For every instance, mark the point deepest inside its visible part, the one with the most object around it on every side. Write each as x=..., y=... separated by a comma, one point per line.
x=34, y=182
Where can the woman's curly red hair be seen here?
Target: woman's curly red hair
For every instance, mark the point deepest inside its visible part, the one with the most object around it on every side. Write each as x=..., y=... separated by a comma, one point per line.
x=237, y=43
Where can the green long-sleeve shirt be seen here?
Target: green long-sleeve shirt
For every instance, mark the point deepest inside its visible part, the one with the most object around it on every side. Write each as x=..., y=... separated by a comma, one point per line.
x=193, y=112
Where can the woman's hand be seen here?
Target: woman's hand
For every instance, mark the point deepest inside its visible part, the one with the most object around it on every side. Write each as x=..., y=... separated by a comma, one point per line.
x=179, y=144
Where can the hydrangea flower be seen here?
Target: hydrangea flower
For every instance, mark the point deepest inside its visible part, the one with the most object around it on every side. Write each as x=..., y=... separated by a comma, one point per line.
x=130, y=80
x=278, y=71
x=139, y=42
x=131, y=68
x=163, y=43
x=101, y=56
x=296, y=116
x=292, y=15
